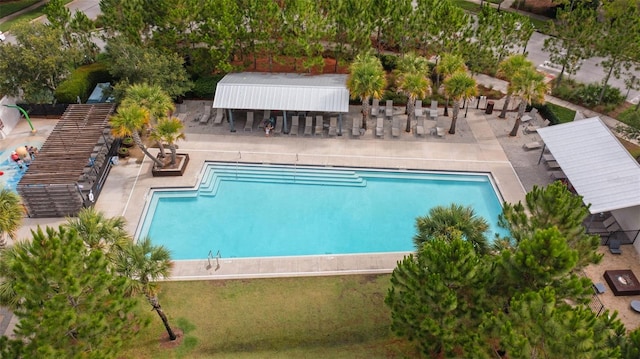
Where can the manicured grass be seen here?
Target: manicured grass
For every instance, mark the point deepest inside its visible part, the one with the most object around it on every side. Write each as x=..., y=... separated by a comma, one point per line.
x=28, y=16
x=467, y=5
x=310, y=317
x=562, y=113
x=8, y=8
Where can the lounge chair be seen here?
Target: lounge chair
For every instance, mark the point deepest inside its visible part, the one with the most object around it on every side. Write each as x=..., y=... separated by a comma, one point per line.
x=532, y=145
x=265, y=117
x=295, y=123
x=206, y=115
x=380, y=127
x=420, y=126
x=278, y=129
x=553, y=165
x=308, y=125
x=531, y=128
x=437, y=131
x=614, y=246
x=319, y=129
x=219, y=116
x=548, y=157
x=599, y=288
x=333, y=124
x=375, y=108
x=357, y=125
x=248, y=126
x=418, y=110
x=433, y=110
x=395, y=127
x=558, y=175
x=389, y=109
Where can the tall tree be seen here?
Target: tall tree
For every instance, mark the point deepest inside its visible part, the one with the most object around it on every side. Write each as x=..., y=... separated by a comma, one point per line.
x=447, y=65
x=100, y=233
x=412, y=78
x=366, y=80
x=508, y=69
x=71, y=304
x=436, y=298
x=546, y=207
x=129, y=121
x=11, y=214
x=459, y=86
x=530, y=87
x=351, y=33
x=575, y=33
x=452, y=27
x=618, y=43
x=38, y=62
x=126, y=18
x=452, y=222
x=76, y=29
x=144, y=264
x=169, y=130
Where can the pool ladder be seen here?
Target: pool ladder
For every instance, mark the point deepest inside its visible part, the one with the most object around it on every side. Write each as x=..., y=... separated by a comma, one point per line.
x=217, y=258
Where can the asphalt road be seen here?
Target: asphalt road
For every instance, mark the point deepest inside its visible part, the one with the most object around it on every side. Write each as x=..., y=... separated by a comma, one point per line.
x=588, y=73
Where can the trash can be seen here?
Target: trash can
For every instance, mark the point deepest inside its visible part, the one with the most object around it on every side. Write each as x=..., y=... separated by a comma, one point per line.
x=489, y=109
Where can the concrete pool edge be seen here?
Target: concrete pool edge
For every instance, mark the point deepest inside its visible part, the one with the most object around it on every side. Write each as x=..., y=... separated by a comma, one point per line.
x=278, y=267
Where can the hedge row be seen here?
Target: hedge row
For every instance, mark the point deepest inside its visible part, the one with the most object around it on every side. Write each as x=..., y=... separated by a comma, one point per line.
x=81, y=82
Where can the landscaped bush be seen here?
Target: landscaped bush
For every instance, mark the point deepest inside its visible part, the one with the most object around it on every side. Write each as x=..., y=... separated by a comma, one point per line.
x=555, y=113
x=588, y=95
x=205, y=87
x=389, y=62
x=81, y=82
x=631, y=118
x=398, y=98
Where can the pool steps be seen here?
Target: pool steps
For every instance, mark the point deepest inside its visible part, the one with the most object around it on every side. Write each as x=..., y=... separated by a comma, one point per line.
x=276, y=174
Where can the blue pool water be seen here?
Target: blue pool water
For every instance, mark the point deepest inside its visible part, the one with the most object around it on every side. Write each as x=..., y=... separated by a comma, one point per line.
x=262, y=211
x=11, y=173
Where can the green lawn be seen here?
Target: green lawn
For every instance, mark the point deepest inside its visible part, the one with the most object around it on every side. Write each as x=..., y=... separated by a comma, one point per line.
x=562, y=113
x=8, y=8
x=315, y=317
x=28, y=16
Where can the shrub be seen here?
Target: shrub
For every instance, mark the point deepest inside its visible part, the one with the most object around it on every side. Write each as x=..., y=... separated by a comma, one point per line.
x=389, y=62
x=631, y=118
x=205, y=87
x=81, y=82
x=588, y=95
x=555, y=113
x=398, y=98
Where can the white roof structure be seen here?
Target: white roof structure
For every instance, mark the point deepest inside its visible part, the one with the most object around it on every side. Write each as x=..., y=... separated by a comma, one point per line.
x=595, y=162
x=287, y=92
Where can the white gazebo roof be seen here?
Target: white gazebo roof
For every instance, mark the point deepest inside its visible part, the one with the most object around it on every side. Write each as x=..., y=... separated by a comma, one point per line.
x=595, y=162
x=287, y=92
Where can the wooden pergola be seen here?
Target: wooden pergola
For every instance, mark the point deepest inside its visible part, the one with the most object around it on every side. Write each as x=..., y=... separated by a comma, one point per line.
x=72, y=165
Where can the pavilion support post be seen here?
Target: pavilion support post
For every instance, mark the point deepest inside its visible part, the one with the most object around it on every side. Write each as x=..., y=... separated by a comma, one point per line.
x=541, y=153
x=232, y=127
x=284, y=116
x=340, y=124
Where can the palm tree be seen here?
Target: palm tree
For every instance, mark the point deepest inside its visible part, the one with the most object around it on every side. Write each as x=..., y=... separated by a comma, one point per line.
x=169, y=130
x=508, y=68
x=144, y=264
x=100, y=233
x=11, y=214
x=448, y=65
x=529, y=85
x=446, y=222
x=8, y=296
x=412, y=76
x=459, y=86
x=154, y=100
x=366, y=80
x=129, y=120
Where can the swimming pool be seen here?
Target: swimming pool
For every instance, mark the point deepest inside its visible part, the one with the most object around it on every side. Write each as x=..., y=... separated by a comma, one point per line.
x=245, y=211
x=11, y=173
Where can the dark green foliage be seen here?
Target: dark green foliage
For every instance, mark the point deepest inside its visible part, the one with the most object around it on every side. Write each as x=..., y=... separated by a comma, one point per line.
x=72, y=305
x=398, y=99
x=631, y=346
x=205, y=87
x=389, y=62
x=437, y=298
x=81, y=82
x=588, y=95
x=556, y=114
x=451, y=222
x=631, y=118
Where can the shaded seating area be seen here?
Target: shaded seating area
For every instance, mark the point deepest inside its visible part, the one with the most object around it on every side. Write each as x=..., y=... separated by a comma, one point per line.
x=72, y=164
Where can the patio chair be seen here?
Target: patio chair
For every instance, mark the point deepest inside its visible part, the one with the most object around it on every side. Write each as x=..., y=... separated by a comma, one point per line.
x=380, y=127
x=206, y=115
x=420, y=126
x=599, y=288
x=357, y=125
x=265, y=117
x=531, y=128
x=295, y=123
x=395, y=127
x=308, y=125
x=278, y=129
x=433, y=110
x=333, y=124
x=248, y=126
x=614, y=246
x=319, y=129
x=219, y=116
x=532, y=145
x=418, y=111
x=375, y=107
x=558, y=175
x=438, y=131
x=553, y=165
x=389, y=109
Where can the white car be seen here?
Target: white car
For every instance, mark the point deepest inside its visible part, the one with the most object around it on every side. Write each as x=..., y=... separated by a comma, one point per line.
x=2, y=37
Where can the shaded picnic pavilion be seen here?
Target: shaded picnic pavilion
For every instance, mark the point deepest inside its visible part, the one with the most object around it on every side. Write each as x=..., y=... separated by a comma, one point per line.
x=72, y=165
x=600, y=169
x=286, y=92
